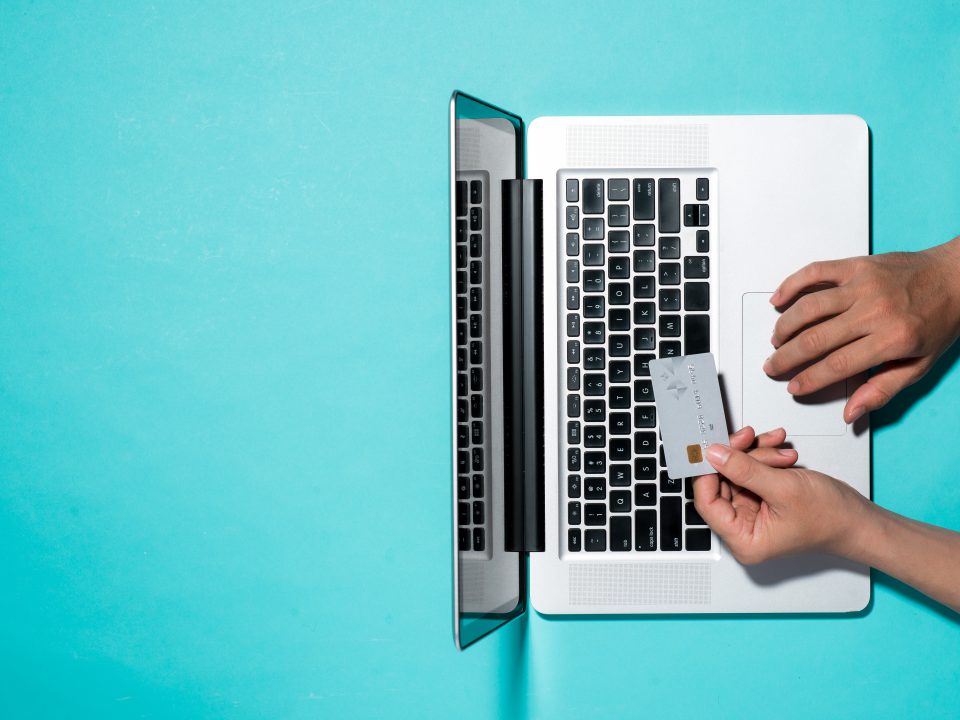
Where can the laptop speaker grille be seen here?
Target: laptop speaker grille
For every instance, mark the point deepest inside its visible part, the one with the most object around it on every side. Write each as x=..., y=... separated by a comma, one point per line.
x=640, y=583
x=612, y=146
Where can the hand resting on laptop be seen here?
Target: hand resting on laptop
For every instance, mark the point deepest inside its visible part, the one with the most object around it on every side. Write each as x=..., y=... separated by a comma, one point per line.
x=899, y=311
x=762, y=507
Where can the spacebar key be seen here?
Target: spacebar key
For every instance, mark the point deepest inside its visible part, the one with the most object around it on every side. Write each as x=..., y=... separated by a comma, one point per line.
x=669, y=204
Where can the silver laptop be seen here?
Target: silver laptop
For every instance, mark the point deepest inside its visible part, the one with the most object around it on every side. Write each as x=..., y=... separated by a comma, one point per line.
x=582, y=248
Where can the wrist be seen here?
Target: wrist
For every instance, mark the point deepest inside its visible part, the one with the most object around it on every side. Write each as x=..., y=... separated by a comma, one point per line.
x=948, y=258
x=862, y=534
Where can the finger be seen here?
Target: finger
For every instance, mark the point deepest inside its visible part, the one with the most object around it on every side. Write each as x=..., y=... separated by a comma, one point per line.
x=857, y=357
x=876, y=392
x=771, y=438
x=713, y=507
x=809, y=309
x=775, y=457
x=743, y=470
x=725, y=492
x=813, y=343
x=830, y=271
x=742, y=438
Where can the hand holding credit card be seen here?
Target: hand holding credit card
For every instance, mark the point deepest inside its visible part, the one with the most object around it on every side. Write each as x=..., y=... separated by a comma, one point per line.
x=686, y=391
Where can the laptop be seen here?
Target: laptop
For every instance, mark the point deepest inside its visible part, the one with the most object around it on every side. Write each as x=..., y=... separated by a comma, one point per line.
x=582, y=248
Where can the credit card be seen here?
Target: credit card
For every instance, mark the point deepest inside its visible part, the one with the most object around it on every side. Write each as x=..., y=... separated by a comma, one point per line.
x=686, y=391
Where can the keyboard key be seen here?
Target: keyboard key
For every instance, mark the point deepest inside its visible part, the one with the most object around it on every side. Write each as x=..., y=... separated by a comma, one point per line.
x=704, y=219
x=594, y=410
x=620, y=448
x=595, y=514
x=464, y=539
x=619, y=267
x=594, y=488
x=703, y=189
x=478, y=485
x=461, y=230
x=476, y=351
x=461, y=308
x=479, y=540
x=461, y=197
x=669, y=247
x=573, y=459
x=476, y=379
x=476, y=245
x=573, y=351
x=669, y=485
x=476, y=325
x=476, y=272
x=620, y=369
x=476, y=457
x=463, y=513
x=573, y=486
x=592, y=254
x=619, y=293
x=643, y=235
x=620, y=347
x=645, y=494
x=476, y=192
x=644, y=313
x=696, y=334
x=594, y=358
x=645, y=443
x=620, y=475
x=461, y=282
x=593, y=229
x=670, y=273
x=596, y=540
x=476, y=406
x=643, y=286
x=594, y=436
x=573, y=432
x=698, y=539
x=618, y=215
x=477, y=512
x=573, y=539
x=461, y=384
x=644, y=338
x=573, y=217
x=670, y=524
x=669, y=299
x=593, y=306
x=691, y=217
x=592, y=197
x=573, y=190
x=573, y=406
x=669, y=348
x=644, y=468
x=573, y=513
x=573, y=325
x=643, y=391
x=696, y=267
x=593, y=333
x=573, y=298
x=593, y=281
x=619, y=319
x=595, y=462
x=476, y=219
x=461, y=256
x=670, y=326
x=573, y=271
x=645, y=530
x=703, y=241
x=573, y=378
x=620, y=501
x=644, y=261
x=644, y=198
x=619, y=423
x=691, y=516
x=463, y=487
x=688, y=488
x=644, y=416
x=476, y=299
x=618, y=189
x=461, y=410
x=669, y=205
x=620, y=533
x=573, y=244
x=641, y=364
x=618, y=241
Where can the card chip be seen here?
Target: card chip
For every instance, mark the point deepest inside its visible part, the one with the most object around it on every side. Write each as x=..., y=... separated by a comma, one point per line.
x=694, y=454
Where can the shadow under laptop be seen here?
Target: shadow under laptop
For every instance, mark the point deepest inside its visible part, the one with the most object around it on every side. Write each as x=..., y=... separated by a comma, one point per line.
x=512, y=688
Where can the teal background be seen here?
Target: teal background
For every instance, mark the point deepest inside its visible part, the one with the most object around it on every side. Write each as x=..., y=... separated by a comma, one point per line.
x=224, y=393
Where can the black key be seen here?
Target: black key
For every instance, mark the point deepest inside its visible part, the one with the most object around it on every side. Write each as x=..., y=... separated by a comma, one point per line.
x=619, y=267
x=463, y=513
x=573, y=190
x=595, y=462
x=696, y=267
x=669, y=485
x=594, y=488
x=596, y=540
x=669, y=299
x=704, y=215
x=644, y=198
x=593, y=306
x=696, y=334
x=476, y=432
x=698, y=539
x=594, y=358
x=691, y=516
x=671, y=526
x=573, y=536
x=461, y=384
x=573, y=513
x=463, y=487
x=669, y=247
x=461, y=410
x=643, y=286
x=670, y=326
x=644, y=416
x=670, y=273
x=573, y=217
x=476, y=192
x=618, y=215
x=620, y=369
x=645, y=529
x=643, y=391
x=573, y=459
x=620, y=533
x=573, y=351
x=669, y=205
x=573, y=325
x=669, y=348
x=476, y=299
x=461, y=282
x=644, y=338
x=594, y=436
x=620, y=347
x=619, y=319
x=644, y=313
x=461, y=308
x=573, y=406
x=592, y=254
x=476, y=219
x=573, y=271
x=645, y=443
x=641, y=365
x=476, y=379
x=688, y=488
x=479, y=541
x=476, y=406
x=573, y=432
x=573, y=298
x=696, y=296
x=593, y=333
x=593, y=229
x=644, y=468
x=620, y=475
x=594, y=410
x=703, y=188
x=645, y=494
x=619, y=293
x=618, y=189
x=703, y=241
x=644, y=261
x=620, y=448
x=573, y=244
x=592, y=197
x=464, y=539
x=595, y=514
x=620, y=501
x=461, y=230
x=461, y=256
x=573, y=378
x=476, y=272
x=593, y=281
x=643, y=235
x=476, y=325
x=461, y=197
x=619, y=423
x=478, y=512
x=573, y=486
x=476, y=457
x=618, y=241
x=691, y=217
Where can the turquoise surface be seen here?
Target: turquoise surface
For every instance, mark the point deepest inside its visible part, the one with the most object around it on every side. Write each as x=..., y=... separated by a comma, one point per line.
x=224, y=440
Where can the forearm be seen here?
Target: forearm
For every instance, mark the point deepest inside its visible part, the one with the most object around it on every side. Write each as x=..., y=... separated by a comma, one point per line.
x=923, y=556
x=948, y=256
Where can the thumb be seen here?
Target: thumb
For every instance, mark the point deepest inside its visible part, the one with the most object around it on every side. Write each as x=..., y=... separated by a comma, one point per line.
x=745, y=471
x=887, y=381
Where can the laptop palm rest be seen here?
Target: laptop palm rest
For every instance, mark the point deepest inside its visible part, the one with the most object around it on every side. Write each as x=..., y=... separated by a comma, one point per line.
x=766, y=402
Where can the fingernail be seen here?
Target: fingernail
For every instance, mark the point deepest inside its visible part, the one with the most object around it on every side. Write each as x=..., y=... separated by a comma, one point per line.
x=786, y=453
x=718, y=454
x=775, y=296
x=767, y=366
x=856, y=414
x=773, y=340
x=793, y=387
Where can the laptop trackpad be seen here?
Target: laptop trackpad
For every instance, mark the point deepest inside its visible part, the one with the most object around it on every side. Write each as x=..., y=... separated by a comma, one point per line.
x=766, y=402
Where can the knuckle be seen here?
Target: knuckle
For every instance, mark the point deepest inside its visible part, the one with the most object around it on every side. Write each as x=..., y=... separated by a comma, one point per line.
x=838, y=363
x=905, y=337
x=812, y=340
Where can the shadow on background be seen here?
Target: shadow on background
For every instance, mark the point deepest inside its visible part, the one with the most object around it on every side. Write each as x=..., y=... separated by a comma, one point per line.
x=514, y=670
x=898, y=407
x=915, y=597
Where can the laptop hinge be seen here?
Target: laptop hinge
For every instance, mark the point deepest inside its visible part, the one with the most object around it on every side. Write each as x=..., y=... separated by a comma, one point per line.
x=523, y=365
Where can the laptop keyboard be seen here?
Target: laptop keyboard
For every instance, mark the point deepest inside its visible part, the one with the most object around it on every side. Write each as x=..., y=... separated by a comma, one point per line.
x=636, y=284
x=472, y=382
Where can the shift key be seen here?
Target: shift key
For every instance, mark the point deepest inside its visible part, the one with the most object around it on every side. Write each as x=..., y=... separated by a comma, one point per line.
x=669, y=205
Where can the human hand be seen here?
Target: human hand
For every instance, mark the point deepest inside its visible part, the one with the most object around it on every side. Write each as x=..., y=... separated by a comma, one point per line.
x=897, y=310
x=762, y=508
